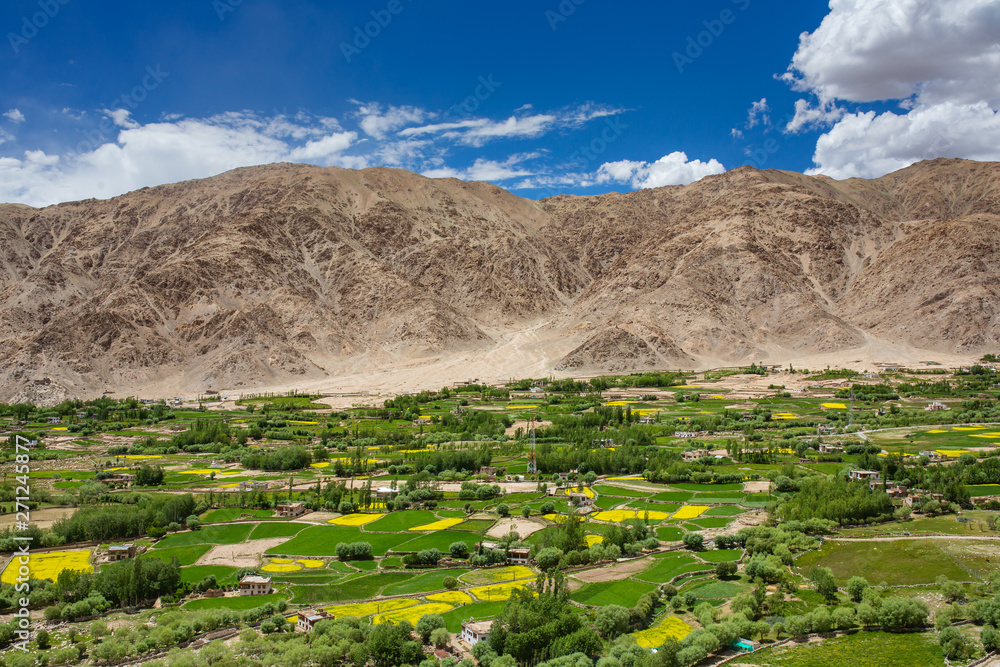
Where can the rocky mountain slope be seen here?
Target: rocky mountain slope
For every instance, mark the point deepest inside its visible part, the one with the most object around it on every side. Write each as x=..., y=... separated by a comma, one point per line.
x=282, y=274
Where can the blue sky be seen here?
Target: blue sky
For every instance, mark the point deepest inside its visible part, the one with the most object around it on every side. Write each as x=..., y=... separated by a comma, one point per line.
x=578, y=96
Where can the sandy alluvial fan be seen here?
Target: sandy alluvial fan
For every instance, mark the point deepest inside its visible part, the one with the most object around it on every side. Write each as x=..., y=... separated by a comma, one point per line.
x=286, y=273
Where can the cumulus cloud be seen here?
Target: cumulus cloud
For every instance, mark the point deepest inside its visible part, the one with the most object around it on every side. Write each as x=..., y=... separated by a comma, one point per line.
x=377, y=123
x=868, y=145
x=940, y=59
x=14, y=115
x=673, y=169
x=488, y=170
x=135, y=156
x=929, y=50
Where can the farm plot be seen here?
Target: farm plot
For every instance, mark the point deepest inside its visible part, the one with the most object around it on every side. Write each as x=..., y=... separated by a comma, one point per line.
x=625, y=593
x=49, y=565
x=901, y=563
x=669, y=628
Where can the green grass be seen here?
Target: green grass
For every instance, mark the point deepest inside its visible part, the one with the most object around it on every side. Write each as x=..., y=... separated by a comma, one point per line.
x=669, y=533
x=228, y=534
x=323, y=540
x=895, y=563
x=673, y=496
x=422, y=583
x=474, y=525
x=188, y=555
x=195, y=573
x=686, y=486
x=974, y=491
x=625, y=593
x=440, y=540
x=720, y=555
x=233, y=514
x=397, y=521
x=608, y=502
x=712, y=522
x=668, y=567
x=238, y=602
x=724, y=510
x=363, y=588
x=274, y=529
x=717, y=590
x=863, y=648
x=479, y=611
x=608, y=490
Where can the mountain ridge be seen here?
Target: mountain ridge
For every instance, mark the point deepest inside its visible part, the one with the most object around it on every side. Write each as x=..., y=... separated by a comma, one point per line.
x=284, y=274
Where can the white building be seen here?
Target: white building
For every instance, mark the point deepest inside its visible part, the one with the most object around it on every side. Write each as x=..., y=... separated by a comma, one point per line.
x=253, y=584
x=475, y=632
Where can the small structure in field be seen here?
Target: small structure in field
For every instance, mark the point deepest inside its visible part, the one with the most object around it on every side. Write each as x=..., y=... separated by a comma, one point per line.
x=474, y=632
x=290, y=510
x=253, y=584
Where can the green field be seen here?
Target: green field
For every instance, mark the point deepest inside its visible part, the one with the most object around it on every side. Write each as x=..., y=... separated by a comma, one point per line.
x=227, y=534
x=361, y=588
x=188, y=555
x=323, y=540
x=233, y=513
x=625, y=593
x=670, y=566
x=237, y=602
x=195, y=573
x=863, y=648
x=422, y=583
x=479, y=611
x=720, y=555
x=397, y=521
x=276, y=529
x=717, y=590
x=901, y=563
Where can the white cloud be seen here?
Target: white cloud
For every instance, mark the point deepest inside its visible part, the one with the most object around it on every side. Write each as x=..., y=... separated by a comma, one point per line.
x=758, y=114
x=868, y=145
x=930, y=50
x=157, y=153
x=14, y=115
x=488, y=170
x=479, y=131
x=377, y=123
x=807, y=116
x=673, y=169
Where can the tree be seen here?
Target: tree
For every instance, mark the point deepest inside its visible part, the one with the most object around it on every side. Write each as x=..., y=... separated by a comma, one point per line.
x=440, y=637
x=693, y=541
x=525, y=511
x=459, y=549
x=548, y=508
x=612, y=620
x=192, y=522
x=952, y=643
x=856, y=587
x=42, y=639
x=725, y=569
x=427, y=624
x=450, y=583
x=503, y=509
x=990, y=638
x=546, y=559
x=826, y=584
x=952, y=590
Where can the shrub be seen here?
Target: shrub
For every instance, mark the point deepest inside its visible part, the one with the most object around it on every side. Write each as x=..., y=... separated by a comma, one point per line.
x=693, y=541
x=354, y=551
x=459, y=549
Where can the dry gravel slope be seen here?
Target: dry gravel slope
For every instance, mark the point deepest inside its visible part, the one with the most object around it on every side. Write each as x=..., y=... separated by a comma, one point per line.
x=291, y=273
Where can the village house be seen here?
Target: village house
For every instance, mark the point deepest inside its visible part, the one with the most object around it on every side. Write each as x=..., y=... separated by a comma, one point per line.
x=116, y=553
x=308, y=619
x=489, y=471
x=55, y=420
x=647, y=419
x=933, y=456
x=384, y=494
x=936, y=406
x=123, y=478
x=421, y=420
x=695, y=454
x=474, y=632
x=253, y=584
x=518, y=556
x=580, y=500
x=252, y=486
x=826, y=429
x=864, y=475
x=830, y=449
x=513, y=478
x=685, y=435
x=290, y=510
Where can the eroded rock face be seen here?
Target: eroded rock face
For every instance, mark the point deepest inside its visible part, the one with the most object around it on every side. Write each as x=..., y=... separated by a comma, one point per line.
x=280, y=273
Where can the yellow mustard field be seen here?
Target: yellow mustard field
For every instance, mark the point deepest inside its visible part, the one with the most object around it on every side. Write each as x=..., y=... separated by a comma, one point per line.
x=621, y=515
x=355, y=519
x=671, y=628
x=362, y=609
x=690, y=512
x=412, y=614
x=49, y=565
x=495, y=592
x=443, y=524
x=451, y=597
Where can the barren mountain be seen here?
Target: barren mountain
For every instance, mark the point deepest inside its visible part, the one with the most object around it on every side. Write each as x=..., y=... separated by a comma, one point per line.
x=288, y=274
